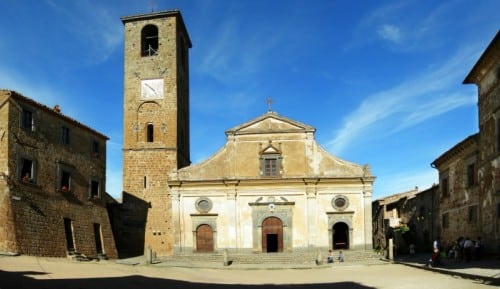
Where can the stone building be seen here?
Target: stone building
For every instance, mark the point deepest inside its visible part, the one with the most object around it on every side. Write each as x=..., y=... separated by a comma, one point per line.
x=271, y=188
x=407, y=218
x=469, y=173
x=52, y=182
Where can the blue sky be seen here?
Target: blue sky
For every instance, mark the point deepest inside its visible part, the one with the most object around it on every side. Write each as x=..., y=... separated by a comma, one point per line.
x=381, y=81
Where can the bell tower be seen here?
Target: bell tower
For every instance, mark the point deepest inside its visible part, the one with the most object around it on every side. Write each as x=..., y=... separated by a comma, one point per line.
x=155, y=125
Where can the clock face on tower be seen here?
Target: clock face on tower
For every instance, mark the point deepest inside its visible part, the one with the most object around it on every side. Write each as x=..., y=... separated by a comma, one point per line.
x=152, y=88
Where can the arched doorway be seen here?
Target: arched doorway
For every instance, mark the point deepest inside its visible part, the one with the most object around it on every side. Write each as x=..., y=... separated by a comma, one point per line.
x=272, y=235
x=204, y=238
x=340, y=236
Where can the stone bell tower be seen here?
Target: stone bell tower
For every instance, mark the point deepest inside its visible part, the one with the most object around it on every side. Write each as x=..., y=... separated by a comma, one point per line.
x=155, y=125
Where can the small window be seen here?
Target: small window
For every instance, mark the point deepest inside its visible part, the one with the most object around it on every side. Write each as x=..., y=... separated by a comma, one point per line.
x=145, y=182
x=150, y=133
x=444, y=187
x=498, y=210
x=65, y=135
x=27, y=170
x=65, y=180
x=95, y=148
x=270, y=166
x=271, y=161
x=473, y=214
x=149, y=40
x=27, y=120
x=446, y=221
x=471, y=174
x=94, y=189
x=340, y=202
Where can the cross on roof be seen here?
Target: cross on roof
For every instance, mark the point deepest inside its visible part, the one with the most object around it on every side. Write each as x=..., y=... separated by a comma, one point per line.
x=269, y=102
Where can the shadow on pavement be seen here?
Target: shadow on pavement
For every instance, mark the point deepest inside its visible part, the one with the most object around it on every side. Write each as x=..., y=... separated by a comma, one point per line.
x=22, y=280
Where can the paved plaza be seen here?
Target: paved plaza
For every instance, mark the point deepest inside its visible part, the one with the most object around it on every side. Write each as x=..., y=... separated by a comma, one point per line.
x=37, y=272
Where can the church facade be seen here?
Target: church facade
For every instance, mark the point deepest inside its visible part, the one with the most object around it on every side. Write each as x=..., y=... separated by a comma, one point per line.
x=270, y=188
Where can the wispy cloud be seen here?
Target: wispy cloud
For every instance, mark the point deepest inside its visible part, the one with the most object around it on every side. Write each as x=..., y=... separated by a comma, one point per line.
x=441, y=104
x=94, y=28
x=390, y=33
x=230, y=56
x=419, y=30
x=426, y=96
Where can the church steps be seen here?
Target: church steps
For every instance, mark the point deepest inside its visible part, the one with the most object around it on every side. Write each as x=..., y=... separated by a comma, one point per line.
x=286, y=258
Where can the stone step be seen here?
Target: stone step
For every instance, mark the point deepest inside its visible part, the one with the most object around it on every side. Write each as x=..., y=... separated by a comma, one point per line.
x=308, y=257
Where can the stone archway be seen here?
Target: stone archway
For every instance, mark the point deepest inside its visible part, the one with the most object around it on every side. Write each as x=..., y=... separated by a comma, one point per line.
x=204, y=238
x=346, y=230
x=272, y=235
x=340, y=236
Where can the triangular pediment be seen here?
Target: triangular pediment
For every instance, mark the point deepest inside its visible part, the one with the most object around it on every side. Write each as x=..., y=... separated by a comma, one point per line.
x=270, y=149
x=270, y=122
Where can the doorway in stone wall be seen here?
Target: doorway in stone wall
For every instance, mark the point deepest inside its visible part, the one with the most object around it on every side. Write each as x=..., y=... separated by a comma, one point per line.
x=272, y=235
x=98, y=239
x=204, y=238
x=68, y=231
x=340, y=236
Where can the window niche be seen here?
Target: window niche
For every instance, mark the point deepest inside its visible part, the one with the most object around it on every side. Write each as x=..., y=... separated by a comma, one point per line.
x=149, y=40
x=271, y=162
x=340, y=202
x=445, y=186
x=94, y=189
x=64, y=178
x=150, y=132
x=95, y=149
x=473, y=212
x=27, y=119
x=27, y=170
x=65, y=135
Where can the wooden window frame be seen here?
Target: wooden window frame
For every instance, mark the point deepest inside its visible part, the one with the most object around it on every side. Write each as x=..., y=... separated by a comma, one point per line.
x=27, y=119
x=65, y=135
x=271, y=165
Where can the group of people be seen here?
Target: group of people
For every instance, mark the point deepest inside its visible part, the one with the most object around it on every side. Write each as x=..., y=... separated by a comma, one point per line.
x=330, y=258
x=463, y=249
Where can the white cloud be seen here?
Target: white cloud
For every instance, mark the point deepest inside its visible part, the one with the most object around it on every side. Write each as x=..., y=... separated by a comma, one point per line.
x=94, y=28
x=232, y=57
x=407, y=104
x=439, y=105
x=390, y=33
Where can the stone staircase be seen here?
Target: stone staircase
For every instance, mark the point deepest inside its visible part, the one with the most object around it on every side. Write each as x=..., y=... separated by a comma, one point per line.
x=266, y=260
